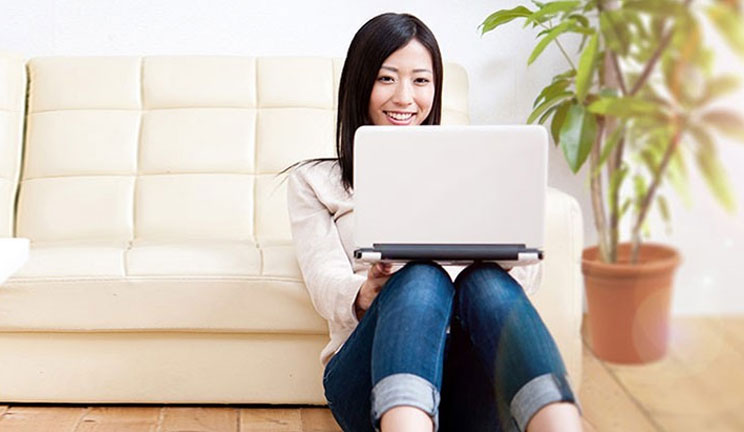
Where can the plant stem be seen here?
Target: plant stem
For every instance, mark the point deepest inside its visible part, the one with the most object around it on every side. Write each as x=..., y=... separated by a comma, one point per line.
x=652, y=62
x=655, y=57
x=613, y=79
x=646, y=204
x=565, y=54
x=616, y=66
x=615, y=210
x=600, y=221
x=613, y=55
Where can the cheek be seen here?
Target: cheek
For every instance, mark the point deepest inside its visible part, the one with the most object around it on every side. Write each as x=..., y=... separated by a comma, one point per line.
x=377, y=98
x=425, y=99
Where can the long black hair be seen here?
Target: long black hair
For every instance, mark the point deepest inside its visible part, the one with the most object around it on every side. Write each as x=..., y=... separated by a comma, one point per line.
x=372, y=44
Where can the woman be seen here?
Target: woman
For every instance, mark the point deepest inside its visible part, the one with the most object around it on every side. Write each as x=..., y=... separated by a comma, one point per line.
x=413, y=350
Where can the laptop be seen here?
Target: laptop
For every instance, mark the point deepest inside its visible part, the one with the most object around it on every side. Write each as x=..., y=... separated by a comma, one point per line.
x=451, y=194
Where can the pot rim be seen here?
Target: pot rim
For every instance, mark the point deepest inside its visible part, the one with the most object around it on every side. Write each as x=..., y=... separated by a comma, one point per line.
x=659, y=265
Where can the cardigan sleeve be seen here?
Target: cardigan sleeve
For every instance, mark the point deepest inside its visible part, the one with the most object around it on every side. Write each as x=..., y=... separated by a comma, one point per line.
x=529, y=277
x=325, y=267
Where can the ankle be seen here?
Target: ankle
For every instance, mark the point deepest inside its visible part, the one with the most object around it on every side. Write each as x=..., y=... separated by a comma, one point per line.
x=406, y=418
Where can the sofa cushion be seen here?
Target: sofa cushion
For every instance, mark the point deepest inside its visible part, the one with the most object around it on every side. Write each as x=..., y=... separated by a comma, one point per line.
x=196, y=285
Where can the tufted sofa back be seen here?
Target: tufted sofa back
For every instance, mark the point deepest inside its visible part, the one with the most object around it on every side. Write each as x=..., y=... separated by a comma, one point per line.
x=187, y=147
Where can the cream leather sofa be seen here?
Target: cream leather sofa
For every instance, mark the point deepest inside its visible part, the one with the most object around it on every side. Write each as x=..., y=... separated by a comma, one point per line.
x=161, y=265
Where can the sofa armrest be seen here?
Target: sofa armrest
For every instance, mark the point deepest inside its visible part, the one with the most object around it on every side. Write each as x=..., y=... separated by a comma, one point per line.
x=12, y=101
x=559, y=299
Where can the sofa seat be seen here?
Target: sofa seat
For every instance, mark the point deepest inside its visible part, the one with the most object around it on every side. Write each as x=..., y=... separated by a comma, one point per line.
x=209, y=286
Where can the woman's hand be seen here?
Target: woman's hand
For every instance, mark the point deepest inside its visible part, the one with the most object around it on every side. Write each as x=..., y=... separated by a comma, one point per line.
x=377, y=275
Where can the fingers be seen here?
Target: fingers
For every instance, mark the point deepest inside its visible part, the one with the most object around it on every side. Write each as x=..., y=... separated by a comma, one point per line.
x=385, y=269
x=380, y=270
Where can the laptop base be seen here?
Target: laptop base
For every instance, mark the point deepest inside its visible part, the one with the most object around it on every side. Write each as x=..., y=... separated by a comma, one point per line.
x=509, y=254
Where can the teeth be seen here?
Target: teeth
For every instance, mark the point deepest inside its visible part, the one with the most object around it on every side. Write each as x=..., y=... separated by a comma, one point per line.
x=400, y=116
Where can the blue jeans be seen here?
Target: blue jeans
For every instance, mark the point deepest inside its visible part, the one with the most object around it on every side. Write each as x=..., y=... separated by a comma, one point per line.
x=494, y=369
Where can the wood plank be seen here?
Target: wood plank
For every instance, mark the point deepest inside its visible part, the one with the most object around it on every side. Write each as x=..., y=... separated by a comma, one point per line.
x=33, y=418
x=697, y=423
x=270, y=420
x=699, y=380
x=732, y=328
x=607, y=406
x=119, y=418
x=199, y=419
x=318, y=420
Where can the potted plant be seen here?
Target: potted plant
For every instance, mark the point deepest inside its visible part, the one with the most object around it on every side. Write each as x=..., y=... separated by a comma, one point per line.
x=638, y=104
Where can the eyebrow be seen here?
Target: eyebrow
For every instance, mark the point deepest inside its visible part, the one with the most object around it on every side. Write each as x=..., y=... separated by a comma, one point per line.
x=394, y=69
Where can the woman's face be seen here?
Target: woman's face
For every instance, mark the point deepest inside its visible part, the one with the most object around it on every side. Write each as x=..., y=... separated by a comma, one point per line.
x=404, y=90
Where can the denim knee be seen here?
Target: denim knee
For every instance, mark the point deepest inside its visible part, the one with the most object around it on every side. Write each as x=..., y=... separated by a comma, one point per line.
x=487, y=284
x=419, y=282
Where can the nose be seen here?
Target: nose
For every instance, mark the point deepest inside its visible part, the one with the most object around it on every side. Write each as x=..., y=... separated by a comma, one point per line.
x=403, y=94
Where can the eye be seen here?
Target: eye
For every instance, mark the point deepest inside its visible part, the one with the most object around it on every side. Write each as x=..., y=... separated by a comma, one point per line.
x=385, y=79
x=422, y=81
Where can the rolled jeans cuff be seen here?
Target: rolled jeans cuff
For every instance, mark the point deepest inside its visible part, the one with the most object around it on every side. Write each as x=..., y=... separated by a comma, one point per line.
x=404, y=389
x=539, y=392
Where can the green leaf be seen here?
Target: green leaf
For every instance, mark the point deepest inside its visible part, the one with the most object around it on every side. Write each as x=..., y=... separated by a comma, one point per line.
x=730, y=24
x=609, y=144
x=664, y=210
x=656, y=7
x=577, y=136
x=639, y=185
x=550, y=91
x=558, y=119
x=663, y=207
x=565, y=75
x=614, y=35
x=587, y=31
x=636, y=25
x=713, y=172
x=626, y=206
x=650, y=160
x=616, y=181
x=702, y=138
x=719, y=86
x=627, y=106
x=549, y=10
x=544, y=32
x=609, y=92
x=581, y=19
x=716, y=178
x=554, y=33
x=547, y=104
x=547, y=114
x=587, y=64
x=677, y=175
x=646, y=230
x=727, y=122
x=502, y=17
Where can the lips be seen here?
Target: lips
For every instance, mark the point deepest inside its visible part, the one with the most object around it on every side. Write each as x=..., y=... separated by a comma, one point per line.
x=399, y=117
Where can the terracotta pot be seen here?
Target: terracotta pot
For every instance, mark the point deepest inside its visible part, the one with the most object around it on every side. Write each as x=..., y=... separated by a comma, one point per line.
x=628, y=304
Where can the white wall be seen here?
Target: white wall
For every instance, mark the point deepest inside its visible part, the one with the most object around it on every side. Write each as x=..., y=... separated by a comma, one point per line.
x=502, y=88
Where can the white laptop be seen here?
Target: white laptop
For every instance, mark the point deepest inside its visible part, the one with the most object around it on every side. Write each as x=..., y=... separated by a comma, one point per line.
x=451, y=194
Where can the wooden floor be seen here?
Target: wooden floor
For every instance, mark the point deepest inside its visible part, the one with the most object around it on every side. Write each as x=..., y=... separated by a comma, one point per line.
x=699, y=386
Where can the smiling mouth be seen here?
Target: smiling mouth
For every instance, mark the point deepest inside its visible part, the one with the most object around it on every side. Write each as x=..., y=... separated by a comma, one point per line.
x=399, y=116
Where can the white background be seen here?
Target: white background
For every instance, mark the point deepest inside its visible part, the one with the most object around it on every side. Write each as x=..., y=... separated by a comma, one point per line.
x=710, y=279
